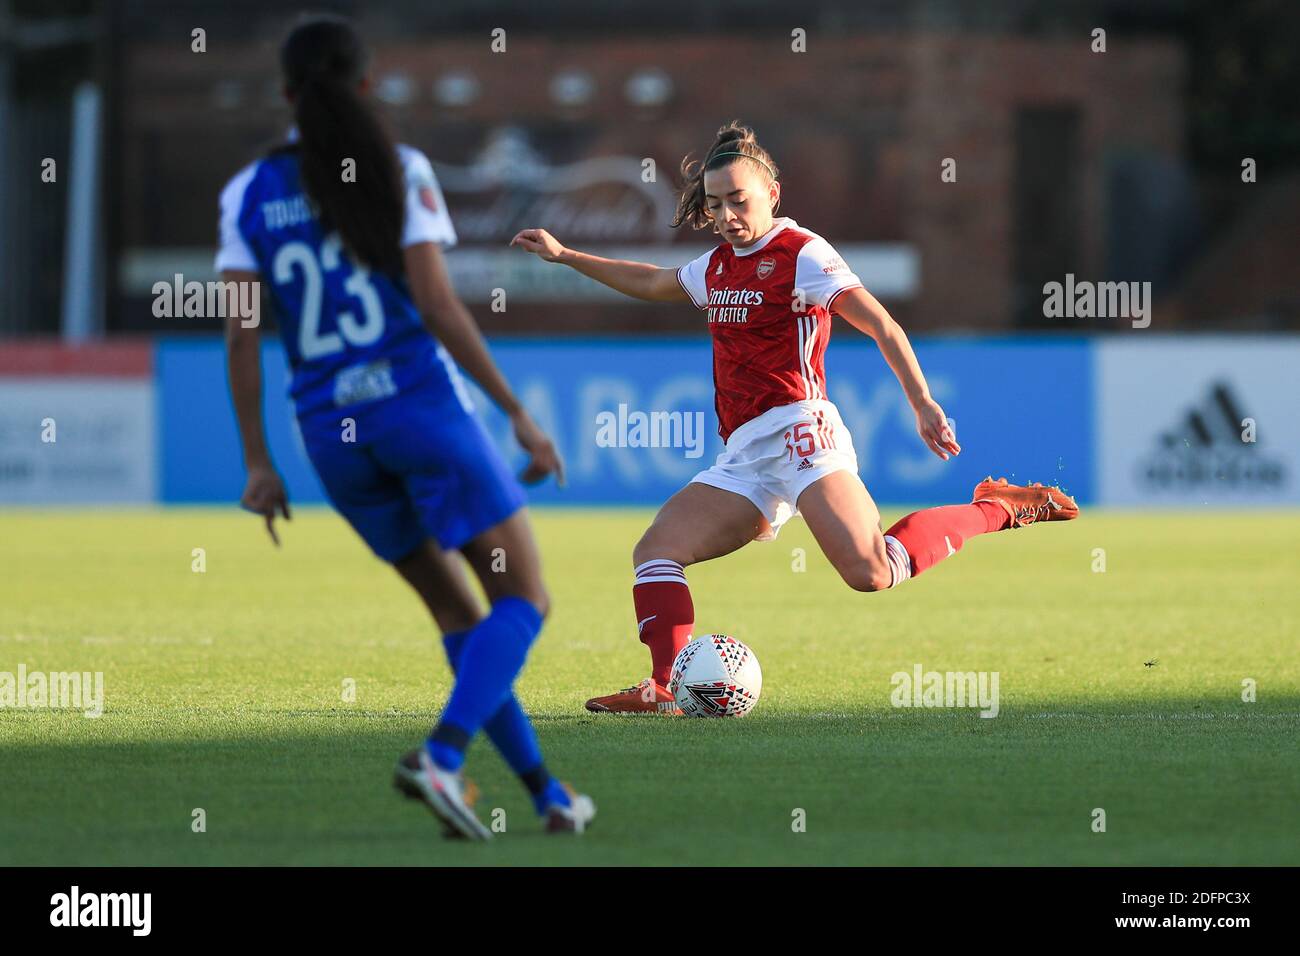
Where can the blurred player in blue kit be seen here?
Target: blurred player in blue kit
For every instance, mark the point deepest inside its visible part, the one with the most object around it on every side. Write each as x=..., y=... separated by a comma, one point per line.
x=346, y=230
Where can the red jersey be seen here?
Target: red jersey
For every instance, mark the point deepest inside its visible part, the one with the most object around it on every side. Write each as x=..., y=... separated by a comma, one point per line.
x=769, y=342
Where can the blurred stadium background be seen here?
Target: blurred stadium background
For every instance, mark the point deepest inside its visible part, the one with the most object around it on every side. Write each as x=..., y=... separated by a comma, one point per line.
x=1123, y=165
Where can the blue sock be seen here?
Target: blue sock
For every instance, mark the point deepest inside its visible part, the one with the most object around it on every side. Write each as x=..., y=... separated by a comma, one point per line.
x=493, y=654
x=512, y=733
x=554, y=793
x=509, y=729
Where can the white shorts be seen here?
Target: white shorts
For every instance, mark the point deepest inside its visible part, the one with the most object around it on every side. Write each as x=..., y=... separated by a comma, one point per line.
x=771, y=459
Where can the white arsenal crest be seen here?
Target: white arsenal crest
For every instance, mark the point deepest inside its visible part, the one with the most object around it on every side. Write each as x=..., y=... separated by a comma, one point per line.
x=765, y=266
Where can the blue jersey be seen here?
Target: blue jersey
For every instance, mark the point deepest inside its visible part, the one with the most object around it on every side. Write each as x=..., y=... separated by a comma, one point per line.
x=419, y=463
x=351, y=335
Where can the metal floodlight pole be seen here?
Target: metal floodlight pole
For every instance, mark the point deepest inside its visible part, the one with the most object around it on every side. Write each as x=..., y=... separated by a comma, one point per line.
x=82, y=304
x=82, y=296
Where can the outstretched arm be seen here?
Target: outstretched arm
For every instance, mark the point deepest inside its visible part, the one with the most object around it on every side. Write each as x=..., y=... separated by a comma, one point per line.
x=264, y=493
x=640, y=280
x=861, y=310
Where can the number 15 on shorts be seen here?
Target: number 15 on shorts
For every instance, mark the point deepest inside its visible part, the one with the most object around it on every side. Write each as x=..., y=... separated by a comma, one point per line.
x=806, y=437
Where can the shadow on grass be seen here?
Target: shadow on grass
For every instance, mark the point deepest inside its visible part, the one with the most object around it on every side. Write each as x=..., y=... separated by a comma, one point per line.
x=1181, y=784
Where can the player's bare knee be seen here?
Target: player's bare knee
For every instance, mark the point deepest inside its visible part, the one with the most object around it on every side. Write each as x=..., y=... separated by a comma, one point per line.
x=526, y=587
x=646, y=548
x=867, y=576
x=654, y=547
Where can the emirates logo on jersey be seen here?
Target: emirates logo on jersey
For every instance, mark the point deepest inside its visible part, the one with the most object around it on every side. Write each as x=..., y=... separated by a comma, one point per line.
x=765, y=267
x=732, y=305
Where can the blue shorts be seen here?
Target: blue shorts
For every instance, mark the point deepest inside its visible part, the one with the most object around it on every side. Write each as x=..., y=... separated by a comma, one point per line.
x=420, y=466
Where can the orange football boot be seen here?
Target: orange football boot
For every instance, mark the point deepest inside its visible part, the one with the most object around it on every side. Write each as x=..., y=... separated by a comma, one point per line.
x=1027, y=504
x=647, y=697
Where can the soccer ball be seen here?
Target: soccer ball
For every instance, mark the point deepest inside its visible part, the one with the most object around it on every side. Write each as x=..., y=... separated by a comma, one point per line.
x=715, y=676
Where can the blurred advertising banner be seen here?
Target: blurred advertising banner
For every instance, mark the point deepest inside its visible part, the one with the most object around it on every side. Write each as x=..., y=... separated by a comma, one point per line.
x=76, y=424
x=570, y=388
x=1199, y=421
x=1190, y=422
x=634, y=418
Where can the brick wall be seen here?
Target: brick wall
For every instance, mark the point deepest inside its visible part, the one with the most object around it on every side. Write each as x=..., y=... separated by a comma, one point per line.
x=859, y=125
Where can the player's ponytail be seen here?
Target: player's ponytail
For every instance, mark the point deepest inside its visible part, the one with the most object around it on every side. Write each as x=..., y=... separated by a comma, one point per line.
x=733, y=143
x=324, y=62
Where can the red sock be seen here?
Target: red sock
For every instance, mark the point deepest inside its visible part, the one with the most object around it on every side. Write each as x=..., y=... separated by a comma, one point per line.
x=931, y=535
x=665, y=615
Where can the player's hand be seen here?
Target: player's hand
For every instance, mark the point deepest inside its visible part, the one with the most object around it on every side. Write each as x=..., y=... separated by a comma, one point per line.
x=539, y=242
x=932, y=425
x=264, y=495
x=543, y=458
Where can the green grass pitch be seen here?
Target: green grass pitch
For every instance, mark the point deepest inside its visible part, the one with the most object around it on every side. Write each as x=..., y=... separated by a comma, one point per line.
x=224, y=691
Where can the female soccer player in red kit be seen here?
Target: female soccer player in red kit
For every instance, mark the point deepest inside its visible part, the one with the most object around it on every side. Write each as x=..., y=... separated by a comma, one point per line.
x=769, y=290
